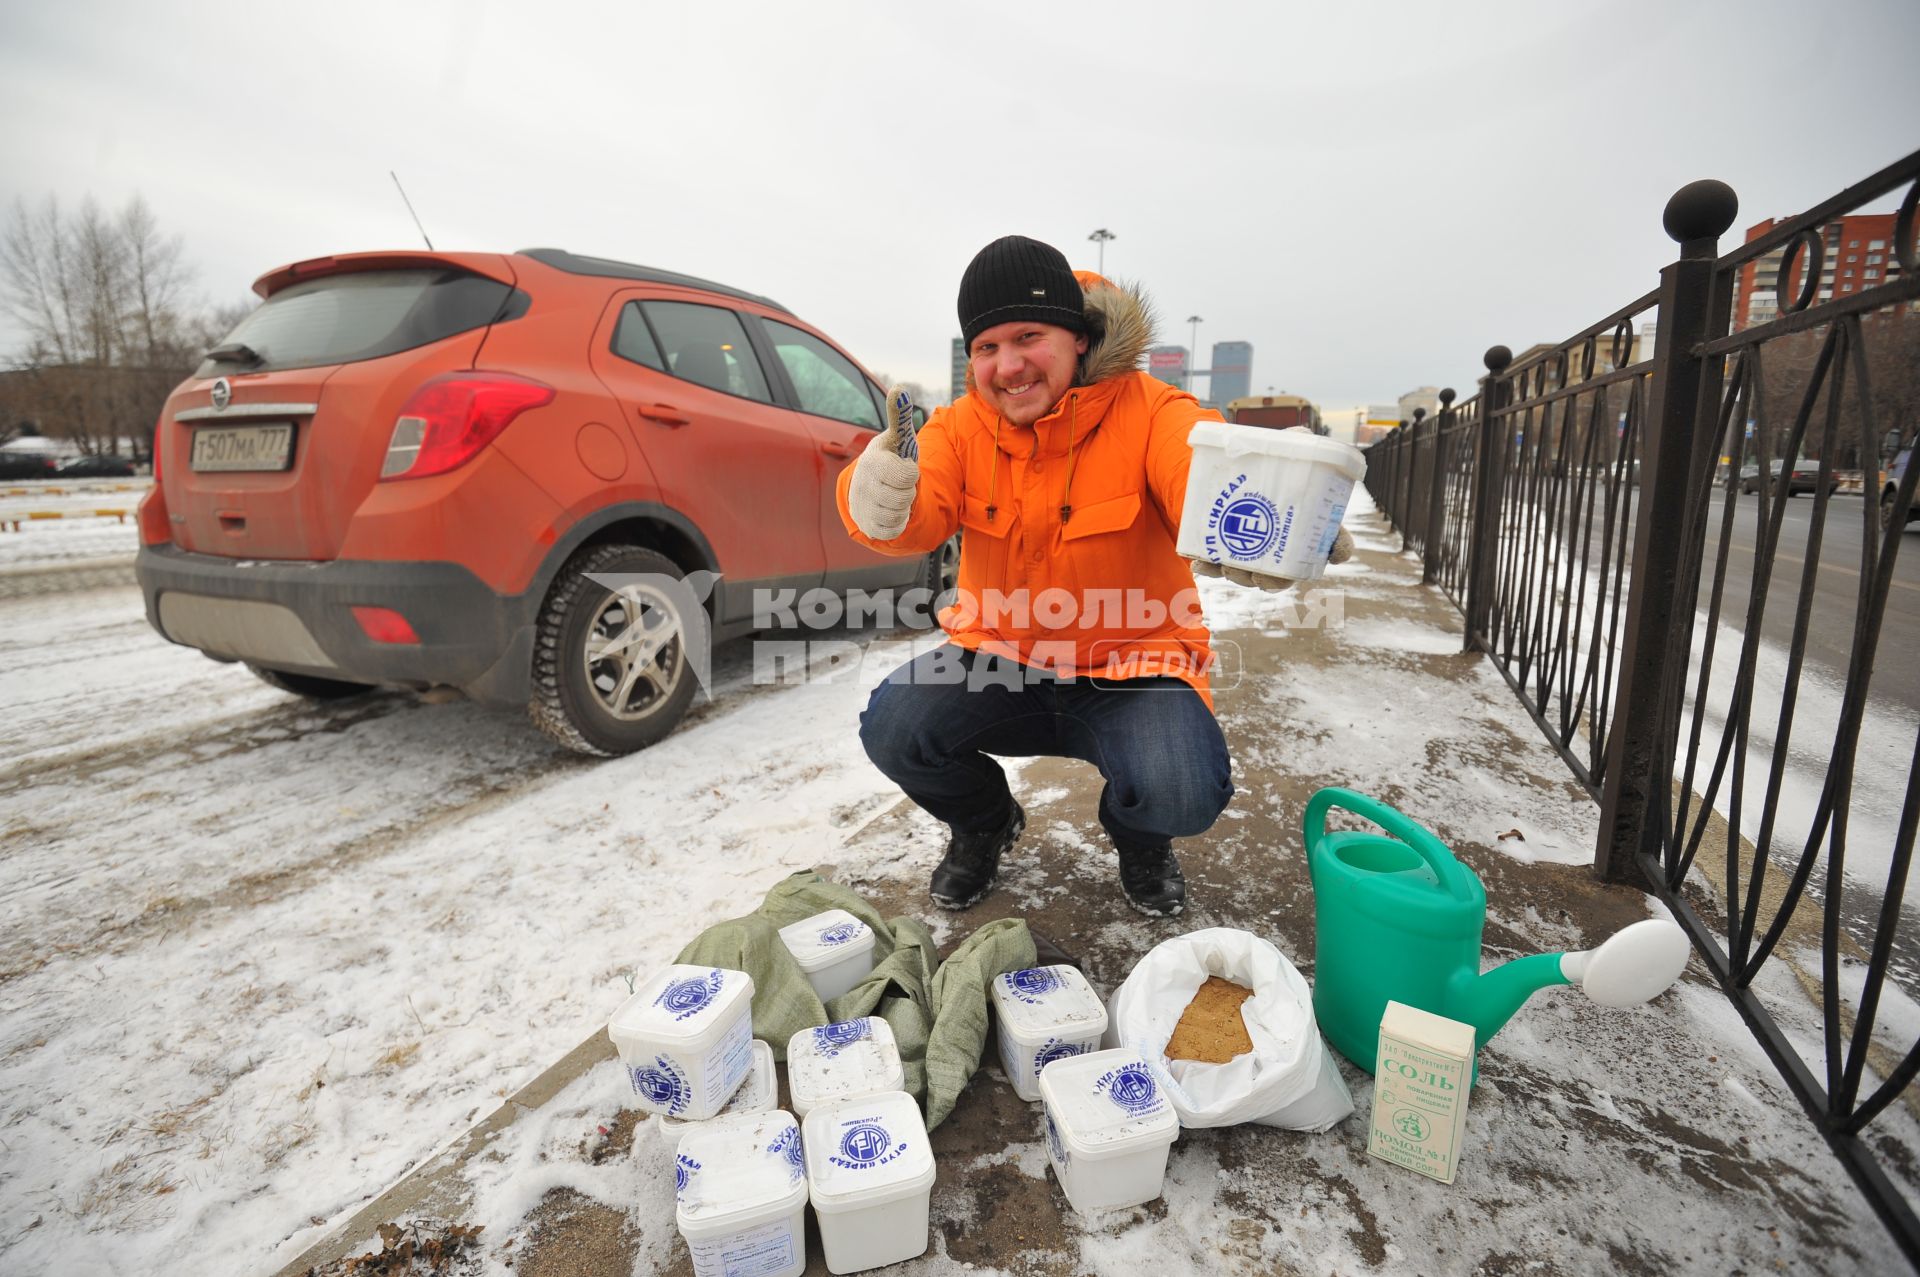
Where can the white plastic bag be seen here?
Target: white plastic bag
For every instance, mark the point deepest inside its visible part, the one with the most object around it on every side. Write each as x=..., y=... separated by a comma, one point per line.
x=1289, y=1079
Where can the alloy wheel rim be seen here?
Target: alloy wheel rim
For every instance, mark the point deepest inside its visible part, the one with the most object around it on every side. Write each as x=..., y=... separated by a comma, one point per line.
x=635, y=652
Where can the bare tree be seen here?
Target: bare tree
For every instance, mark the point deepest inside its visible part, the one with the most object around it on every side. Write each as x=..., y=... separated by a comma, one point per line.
x=109, y=326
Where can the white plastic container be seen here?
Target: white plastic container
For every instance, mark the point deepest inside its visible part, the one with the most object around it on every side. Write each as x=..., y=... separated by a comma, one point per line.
x=836, y=1061
x=686, y=1038
x=870, y=1174
x=834, y=948
x=1268, y=501
x=1045, y=1014
x=1109, y=1128
x=740, y=1184
x=758, y=1094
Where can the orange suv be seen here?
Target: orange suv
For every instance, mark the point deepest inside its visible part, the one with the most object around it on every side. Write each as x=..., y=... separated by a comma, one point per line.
x=410, y=468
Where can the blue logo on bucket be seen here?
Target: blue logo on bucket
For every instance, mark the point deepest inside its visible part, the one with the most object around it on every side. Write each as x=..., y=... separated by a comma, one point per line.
x=841, y=932
x=829, y=1038
x=1055, y=1143
x=786, y=1146
x=684, y=1169
x=690, y=997
x=662, y=1085
x=1249, y=526
x=865, y=1143
x=1131, y=1087
x=1033, y=984
x=1056, y=1050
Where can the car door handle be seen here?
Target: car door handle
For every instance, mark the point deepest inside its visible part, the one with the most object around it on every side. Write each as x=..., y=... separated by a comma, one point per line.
x=834, y=448
x=664, y=413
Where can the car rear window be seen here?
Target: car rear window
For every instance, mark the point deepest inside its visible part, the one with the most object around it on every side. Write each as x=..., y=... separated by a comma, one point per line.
x=341, y=319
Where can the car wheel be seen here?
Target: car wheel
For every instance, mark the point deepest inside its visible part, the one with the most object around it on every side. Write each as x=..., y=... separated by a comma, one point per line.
x=611, y=673
x=940, y=575
x=308, y=685
x=1888, y=500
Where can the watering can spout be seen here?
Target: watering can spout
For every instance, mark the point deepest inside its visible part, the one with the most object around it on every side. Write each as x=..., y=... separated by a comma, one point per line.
x=1398, y=919
x=1488, y=1001
x=1634, y=965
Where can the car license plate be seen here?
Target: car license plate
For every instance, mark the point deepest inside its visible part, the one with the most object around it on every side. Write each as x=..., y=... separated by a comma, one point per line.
x=242, y=447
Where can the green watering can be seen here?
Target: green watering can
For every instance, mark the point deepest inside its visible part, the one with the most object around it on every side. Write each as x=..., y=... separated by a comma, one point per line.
x=1399, y=919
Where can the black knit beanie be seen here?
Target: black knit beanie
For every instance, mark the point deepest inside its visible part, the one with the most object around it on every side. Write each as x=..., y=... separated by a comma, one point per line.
x=1017, y=278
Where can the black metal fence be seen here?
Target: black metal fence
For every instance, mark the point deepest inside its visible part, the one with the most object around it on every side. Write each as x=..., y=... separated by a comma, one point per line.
x=1729, y=670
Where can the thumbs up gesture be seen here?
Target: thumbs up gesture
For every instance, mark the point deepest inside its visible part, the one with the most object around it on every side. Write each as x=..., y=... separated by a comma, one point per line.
x=886, y=476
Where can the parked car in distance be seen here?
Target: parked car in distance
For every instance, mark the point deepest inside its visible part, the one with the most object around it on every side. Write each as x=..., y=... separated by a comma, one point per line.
x=422, y=468
x=98, y=467
x=1804, y=478
x=1890, y=491
x=25, y=465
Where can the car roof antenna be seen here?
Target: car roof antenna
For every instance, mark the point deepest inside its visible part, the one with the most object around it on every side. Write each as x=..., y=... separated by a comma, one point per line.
x=409, y=203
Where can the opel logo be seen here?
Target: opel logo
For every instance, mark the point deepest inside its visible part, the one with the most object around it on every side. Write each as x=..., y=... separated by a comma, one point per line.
x=222, y=395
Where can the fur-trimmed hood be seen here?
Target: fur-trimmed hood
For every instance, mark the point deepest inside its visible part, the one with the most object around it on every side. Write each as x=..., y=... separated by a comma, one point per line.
x=1122, y=323
x=1121, y=326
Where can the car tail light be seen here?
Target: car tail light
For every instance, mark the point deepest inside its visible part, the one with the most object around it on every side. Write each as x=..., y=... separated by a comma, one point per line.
x=452, y=417
x=384, y=625
x=158, y=426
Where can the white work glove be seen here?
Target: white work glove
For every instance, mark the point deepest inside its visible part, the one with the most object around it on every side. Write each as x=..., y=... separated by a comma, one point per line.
x=884, y=478
x=1341, y=552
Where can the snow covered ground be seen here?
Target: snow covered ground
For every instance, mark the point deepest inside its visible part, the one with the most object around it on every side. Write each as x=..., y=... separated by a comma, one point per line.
x=78, y=535
x=1655, y=1140
x=259, y=957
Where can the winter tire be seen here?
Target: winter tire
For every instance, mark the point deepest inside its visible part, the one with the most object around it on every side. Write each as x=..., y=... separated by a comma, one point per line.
x=611, y=672
x=308, y=685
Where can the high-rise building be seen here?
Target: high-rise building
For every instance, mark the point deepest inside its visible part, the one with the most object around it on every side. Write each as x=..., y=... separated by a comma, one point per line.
x=1232, y=371
x=1427, y=397
x=1169, y=364
x=1856, y=255
x=959, y=369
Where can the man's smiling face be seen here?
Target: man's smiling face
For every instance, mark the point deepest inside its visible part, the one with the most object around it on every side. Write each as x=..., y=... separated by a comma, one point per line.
x=1023, y=368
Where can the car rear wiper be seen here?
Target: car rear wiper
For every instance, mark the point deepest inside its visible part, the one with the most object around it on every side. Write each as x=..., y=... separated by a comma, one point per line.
x=234, y=352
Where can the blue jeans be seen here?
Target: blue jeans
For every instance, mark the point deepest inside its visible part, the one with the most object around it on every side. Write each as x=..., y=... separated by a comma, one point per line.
x=930, y=726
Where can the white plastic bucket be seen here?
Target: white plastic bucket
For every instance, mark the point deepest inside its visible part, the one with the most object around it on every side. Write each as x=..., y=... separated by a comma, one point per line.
x=686, y=1039
x=836, y=1061
x=870, y=1173
x=1109, y=1128
x=1268, y=501
x=1045, y=1014
x=759, y=1093
x=834, y=948
x=740, y=1188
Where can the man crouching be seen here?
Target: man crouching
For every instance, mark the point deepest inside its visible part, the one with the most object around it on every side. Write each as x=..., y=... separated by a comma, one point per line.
x=1078, y=632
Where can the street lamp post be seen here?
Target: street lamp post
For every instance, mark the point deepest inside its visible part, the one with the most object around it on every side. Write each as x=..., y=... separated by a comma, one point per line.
x=1101, y=237
x=1194, y=346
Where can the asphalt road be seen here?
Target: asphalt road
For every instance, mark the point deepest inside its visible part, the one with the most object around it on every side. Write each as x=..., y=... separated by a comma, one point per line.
x=1836, y=588
x=1885, y=748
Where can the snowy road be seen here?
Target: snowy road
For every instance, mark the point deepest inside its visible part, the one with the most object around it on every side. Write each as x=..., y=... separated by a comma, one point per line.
x=259, y=957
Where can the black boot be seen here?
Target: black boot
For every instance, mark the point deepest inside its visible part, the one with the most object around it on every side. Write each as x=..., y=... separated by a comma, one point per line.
x=972, y=862
x=1150, y=876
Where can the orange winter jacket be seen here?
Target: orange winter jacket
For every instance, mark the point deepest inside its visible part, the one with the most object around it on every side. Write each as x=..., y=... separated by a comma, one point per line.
x=1095, y=591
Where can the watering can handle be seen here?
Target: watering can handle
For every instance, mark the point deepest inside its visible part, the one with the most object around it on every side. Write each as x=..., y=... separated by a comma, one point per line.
x=1453, y=876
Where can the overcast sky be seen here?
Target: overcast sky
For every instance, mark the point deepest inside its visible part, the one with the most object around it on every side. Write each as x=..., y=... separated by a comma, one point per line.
x=1371, y=194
